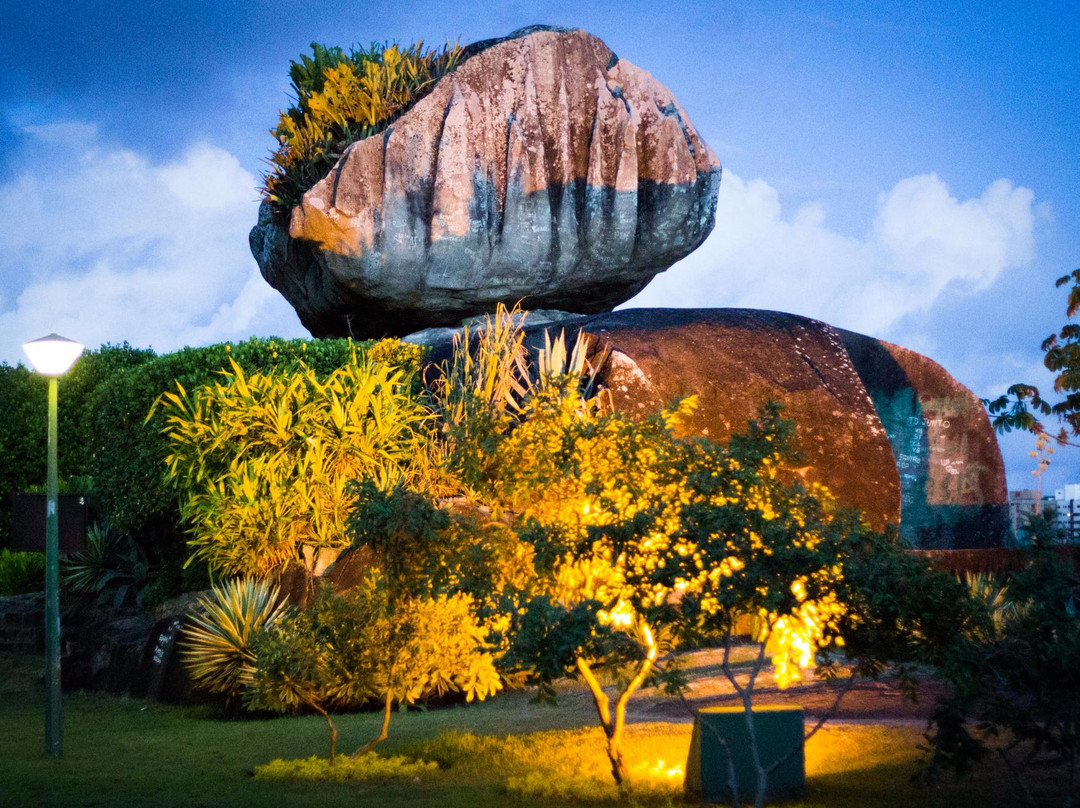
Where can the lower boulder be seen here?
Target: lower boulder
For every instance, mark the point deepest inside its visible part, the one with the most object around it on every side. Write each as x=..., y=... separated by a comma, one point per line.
x=887, y=430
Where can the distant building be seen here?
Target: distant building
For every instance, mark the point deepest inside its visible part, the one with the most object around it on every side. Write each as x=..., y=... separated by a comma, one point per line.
x=1067, y=502
x=1020, y=503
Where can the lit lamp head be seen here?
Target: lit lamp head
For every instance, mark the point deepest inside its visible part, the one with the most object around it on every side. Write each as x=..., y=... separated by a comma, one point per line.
x=53, y=355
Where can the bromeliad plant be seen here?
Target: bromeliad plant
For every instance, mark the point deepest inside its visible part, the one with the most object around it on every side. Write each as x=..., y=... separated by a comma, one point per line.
x=263, y=460
x=342, y=98
x=111, y=568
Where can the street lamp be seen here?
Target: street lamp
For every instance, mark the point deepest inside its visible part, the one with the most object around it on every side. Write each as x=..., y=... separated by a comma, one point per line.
x=52, y=356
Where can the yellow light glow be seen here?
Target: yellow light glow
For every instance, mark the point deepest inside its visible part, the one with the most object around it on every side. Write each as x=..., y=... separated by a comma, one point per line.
x=662, y=769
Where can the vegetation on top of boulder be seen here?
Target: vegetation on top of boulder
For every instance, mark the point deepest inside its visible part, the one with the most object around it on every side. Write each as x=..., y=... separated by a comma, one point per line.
x=342, y=98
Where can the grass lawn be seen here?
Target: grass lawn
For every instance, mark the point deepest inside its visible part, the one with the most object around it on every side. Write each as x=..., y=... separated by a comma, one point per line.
x=120, y=751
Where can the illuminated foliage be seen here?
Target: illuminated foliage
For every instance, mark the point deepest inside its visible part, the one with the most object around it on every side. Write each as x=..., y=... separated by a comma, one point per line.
x=217, y=645
x=342, y=98
x=640, y=535
x=423, y=550
x=264, y=460
x=350, y=648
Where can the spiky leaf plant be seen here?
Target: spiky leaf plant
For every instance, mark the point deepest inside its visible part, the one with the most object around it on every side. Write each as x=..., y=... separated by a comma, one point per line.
x=484, y=390
x=216, y=646
x=111, y=567
x=992, y=594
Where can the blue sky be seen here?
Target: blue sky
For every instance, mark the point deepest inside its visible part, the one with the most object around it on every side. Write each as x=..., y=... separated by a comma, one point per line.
x=908, y=170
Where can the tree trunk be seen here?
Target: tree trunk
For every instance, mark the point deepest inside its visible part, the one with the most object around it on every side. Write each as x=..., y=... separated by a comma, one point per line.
x=333, y=729
x=387, y=706
x=613, y=725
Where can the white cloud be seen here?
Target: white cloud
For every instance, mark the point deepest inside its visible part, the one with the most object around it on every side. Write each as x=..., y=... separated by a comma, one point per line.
x=921, y=242
x=102, y=245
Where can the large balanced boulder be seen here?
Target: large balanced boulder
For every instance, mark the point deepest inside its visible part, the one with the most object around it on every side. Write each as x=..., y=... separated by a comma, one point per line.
x=544, y=169
x=888, y=430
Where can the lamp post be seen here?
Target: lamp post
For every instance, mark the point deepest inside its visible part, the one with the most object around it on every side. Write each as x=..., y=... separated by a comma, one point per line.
x=52, y=356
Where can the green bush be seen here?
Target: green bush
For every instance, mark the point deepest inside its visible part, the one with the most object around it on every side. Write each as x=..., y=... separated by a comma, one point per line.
x=104, y=433
x=20, y=572
x=23, y=400
x=1015, y=681
x=128, y=451
x=371, y=644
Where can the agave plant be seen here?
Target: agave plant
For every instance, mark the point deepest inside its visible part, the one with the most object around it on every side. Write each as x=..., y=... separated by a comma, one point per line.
x=111, y=567
x=217, y=645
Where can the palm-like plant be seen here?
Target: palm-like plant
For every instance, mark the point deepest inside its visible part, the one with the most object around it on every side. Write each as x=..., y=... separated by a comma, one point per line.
x=216, y=646
x=992, y=594
x=111, y=567
x=485, y=388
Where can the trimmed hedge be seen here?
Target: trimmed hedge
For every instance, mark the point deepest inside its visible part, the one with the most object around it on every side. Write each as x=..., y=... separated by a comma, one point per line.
x=104, y=431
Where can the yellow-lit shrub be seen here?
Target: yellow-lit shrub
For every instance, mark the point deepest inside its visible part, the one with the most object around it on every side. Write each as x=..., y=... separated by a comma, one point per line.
x=641, y=535
x=263, y=461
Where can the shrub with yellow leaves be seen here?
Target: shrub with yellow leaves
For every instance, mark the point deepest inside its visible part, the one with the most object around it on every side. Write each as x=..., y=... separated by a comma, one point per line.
x=263, y=461
x=642, y=536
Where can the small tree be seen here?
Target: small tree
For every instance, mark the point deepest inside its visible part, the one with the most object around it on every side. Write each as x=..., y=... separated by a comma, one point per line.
x=1018, y=675
x=1022, y=404
x=348, y=649
x=640, y=534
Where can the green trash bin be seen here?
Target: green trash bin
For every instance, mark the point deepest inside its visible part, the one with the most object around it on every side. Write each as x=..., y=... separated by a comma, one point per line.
x=779, y=732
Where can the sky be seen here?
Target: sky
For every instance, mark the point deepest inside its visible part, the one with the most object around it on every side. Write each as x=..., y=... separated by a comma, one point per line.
x=908, y=170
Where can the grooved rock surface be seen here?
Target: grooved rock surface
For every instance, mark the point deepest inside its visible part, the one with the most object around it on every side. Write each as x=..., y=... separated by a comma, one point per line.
x=544, y=168
x=888, y=430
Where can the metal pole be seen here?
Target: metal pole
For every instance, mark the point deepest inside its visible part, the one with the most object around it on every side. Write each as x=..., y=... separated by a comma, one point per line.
x=54, y=719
